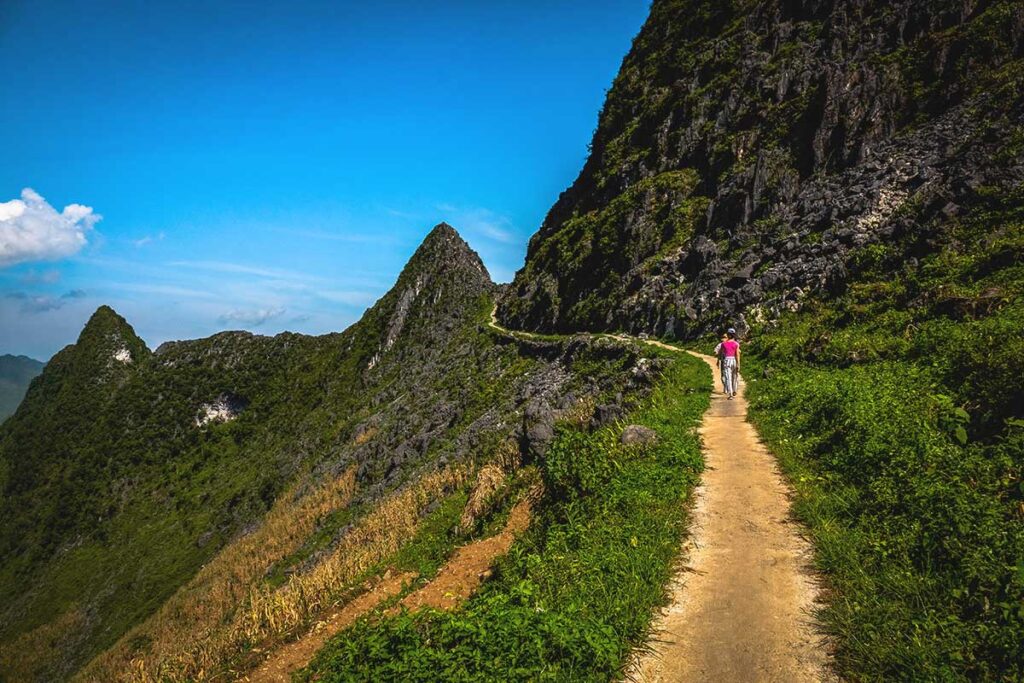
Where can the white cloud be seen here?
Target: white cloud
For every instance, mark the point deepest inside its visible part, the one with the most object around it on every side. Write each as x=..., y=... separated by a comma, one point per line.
x=241, y=269
x=171, y=290
x=143, y=241
x=47, y=277
x=480, y=222
x=33, y=303
x=405, y=215
x=253, y=318
x=32, y=230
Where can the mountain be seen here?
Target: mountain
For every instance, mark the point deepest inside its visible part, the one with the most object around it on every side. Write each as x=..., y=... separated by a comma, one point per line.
x=127, y=472
x=15, y=374
x=748, y=151
x=843, y=182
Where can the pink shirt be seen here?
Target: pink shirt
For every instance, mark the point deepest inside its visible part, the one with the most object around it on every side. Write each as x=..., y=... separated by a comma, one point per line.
x=730, y=347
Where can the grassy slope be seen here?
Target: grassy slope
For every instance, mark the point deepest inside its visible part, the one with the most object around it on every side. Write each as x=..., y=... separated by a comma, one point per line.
x=576, y=593
x=897, y=410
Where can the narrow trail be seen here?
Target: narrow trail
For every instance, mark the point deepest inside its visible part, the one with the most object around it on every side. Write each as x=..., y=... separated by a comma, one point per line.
x=467, y=568
x=742, y=607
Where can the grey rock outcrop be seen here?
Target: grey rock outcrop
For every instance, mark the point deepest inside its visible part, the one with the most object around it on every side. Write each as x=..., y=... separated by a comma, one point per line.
x=774, y=145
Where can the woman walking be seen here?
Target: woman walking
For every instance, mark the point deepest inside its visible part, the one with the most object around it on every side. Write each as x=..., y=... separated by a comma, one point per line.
x=729, y=362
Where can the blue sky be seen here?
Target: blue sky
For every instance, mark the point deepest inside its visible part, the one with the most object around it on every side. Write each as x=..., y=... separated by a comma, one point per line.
x=203, y=166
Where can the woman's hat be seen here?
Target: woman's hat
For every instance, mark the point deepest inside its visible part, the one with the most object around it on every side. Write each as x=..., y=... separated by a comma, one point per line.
x=731, y=330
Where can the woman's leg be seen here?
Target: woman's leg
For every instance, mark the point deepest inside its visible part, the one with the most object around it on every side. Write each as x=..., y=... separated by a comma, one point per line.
x=727, y=366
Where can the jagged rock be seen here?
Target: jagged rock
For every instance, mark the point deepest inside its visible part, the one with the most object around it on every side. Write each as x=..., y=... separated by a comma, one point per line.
x=224, y=408
x=538, y=429
x=804, y=147
x=606, y=414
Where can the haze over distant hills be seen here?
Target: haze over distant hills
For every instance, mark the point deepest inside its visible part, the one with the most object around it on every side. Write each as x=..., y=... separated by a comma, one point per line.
x=15, y=374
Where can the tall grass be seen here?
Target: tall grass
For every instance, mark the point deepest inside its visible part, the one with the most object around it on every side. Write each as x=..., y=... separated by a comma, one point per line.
x=920, y=535
x=19, y=661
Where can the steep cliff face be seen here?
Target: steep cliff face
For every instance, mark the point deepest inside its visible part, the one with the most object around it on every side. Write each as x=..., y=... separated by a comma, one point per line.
x=748, y=151
x=125, y=470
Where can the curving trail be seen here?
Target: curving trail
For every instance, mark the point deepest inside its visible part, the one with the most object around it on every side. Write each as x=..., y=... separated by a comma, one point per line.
x=742, y=605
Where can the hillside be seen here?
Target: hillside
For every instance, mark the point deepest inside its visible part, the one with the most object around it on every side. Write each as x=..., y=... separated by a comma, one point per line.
x=748, y=150
x=841, y=180
x=16, y=372
x=126, y=471
x=844, y=183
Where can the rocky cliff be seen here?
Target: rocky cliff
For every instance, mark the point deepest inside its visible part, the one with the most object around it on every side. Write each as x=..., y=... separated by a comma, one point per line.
x=748, y=151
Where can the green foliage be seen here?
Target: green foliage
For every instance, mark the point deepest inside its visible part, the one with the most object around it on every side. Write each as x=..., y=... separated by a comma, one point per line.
x=113, y=495
x=435, y=537
x=896, y=410
x=577, y=591
x=577, y=464
x=593, y=254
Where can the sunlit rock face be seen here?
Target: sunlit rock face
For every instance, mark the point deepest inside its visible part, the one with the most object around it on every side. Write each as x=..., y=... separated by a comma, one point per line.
x=748, y=153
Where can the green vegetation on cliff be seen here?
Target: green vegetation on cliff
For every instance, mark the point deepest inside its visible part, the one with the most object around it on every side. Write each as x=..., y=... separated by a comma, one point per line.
x=898, y=412
x=126, y=471
x=853, y=173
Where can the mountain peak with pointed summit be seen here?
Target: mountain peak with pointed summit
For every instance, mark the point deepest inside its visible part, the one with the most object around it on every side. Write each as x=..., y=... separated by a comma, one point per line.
x=439, y=290
x=443, y=248
x=108, y=334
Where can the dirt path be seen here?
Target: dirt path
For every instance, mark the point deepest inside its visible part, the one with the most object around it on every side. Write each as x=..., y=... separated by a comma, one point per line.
x=292, y=657
x=742, y=606
x=456, y=581
x=461, y=576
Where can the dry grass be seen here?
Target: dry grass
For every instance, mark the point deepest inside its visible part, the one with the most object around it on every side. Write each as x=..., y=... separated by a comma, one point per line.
x=364, y=435
x=261, y=614
x=580, y=412
x=507, y=456
x=489, y=481
x=217, y=589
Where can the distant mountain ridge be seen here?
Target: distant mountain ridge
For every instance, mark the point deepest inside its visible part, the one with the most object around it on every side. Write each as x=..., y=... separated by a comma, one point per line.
x=16, y=372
